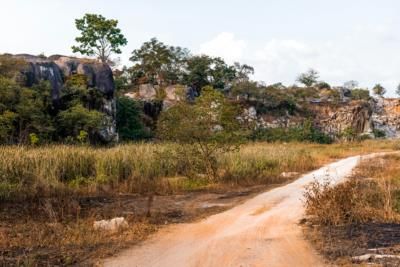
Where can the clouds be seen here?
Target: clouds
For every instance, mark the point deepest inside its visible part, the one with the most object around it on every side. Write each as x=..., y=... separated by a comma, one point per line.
x=225, y=45
x=368, y=55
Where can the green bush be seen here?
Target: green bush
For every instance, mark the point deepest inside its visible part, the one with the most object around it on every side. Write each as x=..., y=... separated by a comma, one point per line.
x=379, y=133
x=129, y=120
x=360, y=94
x=303, y=133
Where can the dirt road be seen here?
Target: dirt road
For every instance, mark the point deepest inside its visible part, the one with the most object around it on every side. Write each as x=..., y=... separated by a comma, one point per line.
x=263, y=231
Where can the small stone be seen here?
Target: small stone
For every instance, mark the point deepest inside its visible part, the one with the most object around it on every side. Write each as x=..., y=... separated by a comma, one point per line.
x=112, y=225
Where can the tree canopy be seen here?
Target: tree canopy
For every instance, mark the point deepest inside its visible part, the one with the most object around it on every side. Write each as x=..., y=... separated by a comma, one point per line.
x=379, y=90
x=99, y=37
x=159, y=63
x=308, y=78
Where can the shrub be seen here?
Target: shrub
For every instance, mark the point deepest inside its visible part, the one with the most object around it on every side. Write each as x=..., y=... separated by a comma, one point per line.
x=82, y=137
x=78, y=118
x=348, y=203
x=33, y=139
x=349, y=134
x=360, y=94
x=303, y=133
x=379, y=133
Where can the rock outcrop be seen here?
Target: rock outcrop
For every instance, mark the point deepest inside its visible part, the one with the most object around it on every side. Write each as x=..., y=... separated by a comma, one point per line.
x=386, y=116
x=56, y=69
x=156, y=99
x=333, y=119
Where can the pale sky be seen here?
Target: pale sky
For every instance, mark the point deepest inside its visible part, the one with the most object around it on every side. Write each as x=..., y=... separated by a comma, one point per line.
x=342, y=39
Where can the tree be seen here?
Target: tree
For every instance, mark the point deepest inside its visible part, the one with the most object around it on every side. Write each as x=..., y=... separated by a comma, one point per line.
x=379, y=90
x=398, y=90
x=309, y=78
x=207, y=128
x=222, y=75
x=242, y=72
x=204, y=71
x=198, y=72
x=158, y=62
x=99, y=37
x=129, y=124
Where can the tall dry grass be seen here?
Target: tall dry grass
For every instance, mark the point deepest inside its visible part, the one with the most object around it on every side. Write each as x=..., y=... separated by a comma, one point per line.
x=372, y=194
x=64, y=170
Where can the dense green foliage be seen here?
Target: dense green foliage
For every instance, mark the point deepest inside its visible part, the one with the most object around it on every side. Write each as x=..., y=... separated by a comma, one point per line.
x=129, y=123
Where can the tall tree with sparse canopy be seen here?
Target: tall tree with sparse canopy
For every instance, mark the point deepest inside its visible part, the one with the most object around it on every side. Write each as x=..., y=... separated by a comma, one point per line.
x=208, y=128
x=309, y=78
x=99, y=37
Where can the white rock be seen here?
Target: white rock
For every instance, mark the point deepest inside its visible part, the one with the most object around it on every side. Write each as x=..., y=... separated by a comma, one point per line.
x=147, y=92
x=367, y=257
x=289, y=174
x=111, y=225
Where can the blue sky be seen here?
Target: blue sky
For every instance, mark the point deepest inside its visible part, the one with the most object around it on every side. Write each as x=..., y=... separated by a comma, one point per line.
x=343, y=40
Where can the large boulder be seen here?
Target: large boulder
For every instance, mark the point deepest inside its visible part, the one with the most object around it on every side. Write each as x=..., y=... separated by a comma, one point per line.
x=98, y=75
x=56, y=70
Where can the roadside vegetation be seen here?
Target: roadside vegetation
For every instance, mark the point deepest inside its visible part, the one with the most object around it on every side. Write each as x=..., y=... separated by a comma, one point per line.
x=358, y=222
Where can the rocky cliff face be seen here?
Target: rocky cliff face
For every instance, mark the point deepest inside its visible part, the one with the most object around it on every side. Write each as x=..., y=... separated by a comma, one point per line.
x=386, y=116
x=334, y=119
x=56, y=69
x=362, y=116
